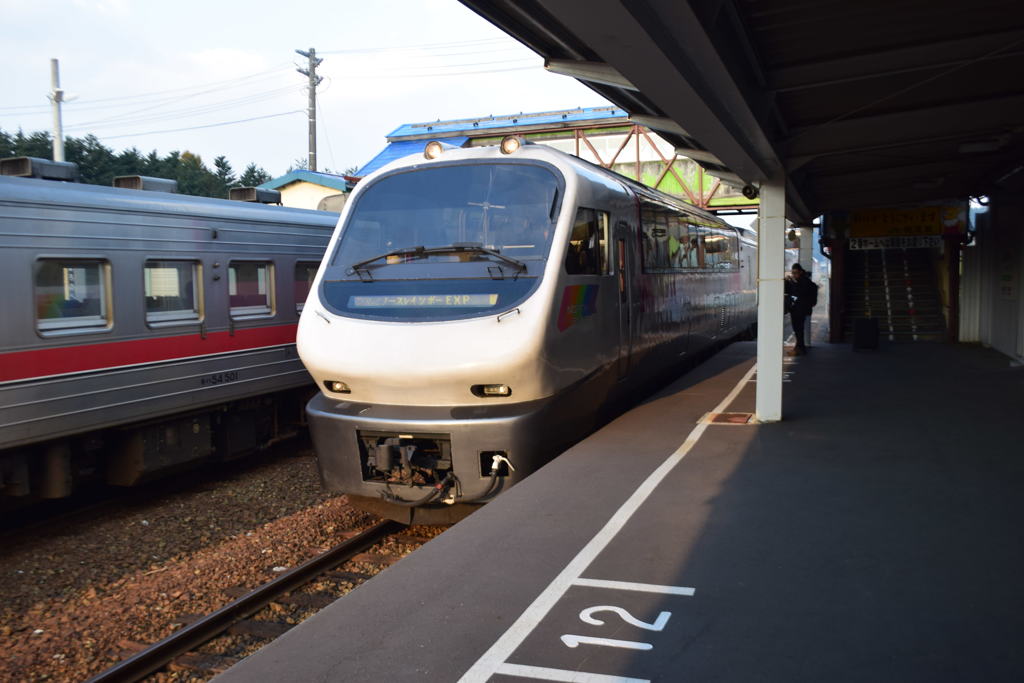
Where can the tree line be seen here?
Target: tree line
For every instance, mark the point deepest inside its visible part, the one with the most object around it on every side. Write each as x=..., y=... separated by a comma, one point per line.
x=99, y=165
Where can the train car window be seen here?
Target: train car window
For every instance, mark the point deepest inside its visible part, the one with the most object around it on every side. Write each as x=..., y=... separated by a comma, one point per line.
x=588, y=244
x=661, y=232
x=304, y=274
x=251, y=289
x=691, y=253
x=72, y=295
x=719, y=250
x=172, y=292
x=676, y=241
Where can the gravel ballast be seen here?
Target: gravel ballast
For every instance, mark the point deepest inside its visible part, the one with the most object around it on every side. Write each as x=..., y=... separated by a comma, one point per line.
x=79, y=595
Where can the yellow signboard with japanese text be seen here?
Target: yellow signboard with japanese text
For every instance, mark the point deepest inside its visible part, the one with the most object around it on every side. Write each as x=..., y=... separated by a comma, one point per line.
x=904, y=222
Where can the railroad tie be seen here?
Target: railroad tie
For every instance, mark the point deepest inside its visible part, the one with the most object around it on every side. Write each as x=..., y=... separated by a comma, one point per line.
x=351, y=577
x=197, y=661
x=314, y=600
x=317, y=600
x=410, y=539
x=375, y=558
x=261, y=629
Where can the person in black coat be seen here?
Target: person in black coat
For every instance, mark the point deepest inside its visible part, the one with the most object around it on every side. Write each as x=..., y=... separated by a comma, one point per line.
x=802, y=295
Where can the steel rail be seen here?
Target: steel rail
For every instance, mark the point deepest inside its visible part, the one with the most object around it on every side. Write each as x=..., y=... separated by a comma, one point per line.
x=158, y=655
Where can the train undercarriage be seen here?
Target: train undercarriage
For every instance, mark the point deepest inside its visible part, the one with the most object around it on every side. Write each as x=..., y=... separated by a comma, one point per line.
x=128, y=455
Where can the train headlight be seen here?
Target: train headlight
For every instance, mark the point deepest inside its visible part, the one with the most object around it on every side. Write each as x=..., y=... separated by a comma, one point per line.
x=337, y=387
x=491, y=390
x=510, y=144
x=433, y=150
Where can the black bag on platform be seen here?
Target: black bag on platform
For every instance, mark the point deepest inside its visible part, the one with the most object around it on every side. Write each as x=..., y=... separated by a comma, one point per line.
x=865, y=333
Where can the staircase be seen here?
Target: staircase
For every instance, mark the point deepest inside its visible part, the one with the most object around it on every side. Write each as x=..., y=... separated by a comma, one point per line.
x=899, y=288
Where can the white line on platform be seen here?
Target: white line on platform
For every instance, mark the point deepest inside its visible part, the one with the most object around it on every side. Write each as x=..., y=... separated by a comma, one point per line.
x=545, y=674
x=631, y=586
x=496, y=656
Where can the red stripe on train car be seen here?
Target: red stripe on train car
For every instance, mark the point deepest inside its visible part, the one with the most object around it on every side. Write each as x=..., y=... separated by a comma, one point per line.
x=59, y=361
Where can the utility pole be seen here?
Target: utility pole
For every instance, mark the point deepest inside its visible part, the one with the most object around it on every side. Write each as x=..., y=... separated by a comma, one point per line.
x=57, y=97
x=314, y=81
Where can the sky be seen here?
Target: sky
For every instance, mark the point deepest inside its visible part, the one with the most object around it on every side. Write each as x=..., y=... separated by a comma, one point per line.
x=165, y=76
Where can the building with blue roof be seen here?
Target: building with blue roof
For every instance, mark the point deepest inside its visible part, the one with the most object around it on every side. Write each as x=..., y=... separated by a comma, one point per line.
x=312, y=189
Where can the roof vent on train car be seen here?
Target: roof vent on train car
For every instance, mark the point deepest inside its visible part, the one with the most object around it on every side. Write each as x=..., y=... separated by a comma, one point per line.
x=142, y=182
x=34, y=167
x=254, y=194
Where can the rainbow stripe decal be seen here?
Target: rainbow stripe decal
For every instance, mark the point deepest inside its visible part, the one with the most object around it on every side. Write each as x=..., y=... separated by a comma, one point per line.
x=578, y=302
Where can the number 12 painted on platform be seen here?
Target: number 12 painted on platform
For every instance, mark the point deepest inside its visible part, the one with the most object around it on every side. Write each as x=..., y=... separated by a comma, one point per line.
x=587, y=617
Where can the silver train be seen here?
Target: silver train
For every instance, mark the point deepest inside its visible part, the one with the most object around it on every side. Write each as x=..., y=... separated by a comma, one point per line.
x=479, y=310
x=144, y=330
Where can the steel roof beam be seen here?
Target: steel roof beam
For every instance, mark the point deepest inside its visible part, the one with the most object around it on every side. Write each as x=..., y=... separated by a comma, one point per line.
x=666, y=53
x=930, y=56
x=592, y=72
x=905, y=128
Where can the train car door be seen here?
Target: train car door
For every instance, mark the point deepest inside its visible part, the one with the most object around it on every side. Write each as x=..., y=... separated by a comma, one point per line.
x=626, y=282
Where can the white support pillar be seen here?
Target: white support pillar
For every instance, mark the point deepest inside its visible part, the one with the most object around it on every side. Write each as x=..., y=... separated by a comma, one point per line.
x=806, y=259
x=771, y=235
x=806, y=251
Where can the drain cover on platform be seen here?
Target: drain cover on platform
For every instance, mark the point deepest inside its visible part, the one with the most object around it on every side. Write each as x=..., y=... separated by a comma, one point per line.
x=730, y=418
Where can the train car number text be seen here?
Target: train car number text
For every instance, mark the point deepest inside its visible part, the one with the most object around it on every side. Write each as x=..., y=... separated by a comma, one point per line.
x=219, y=378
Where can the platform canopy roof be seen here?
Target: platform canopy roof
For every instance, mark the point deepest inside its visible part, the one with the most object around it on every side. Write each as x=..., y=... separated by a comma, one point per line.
x=857, y=103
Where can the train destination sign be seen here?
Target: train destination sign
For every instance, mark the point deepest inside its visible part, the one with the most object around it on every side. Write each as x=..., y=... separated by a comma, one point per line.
x=424, y=301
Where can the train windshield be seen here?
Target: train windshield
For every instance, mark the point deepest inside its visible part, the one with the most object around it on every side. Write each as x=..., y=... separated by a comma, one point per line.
x=444, y=242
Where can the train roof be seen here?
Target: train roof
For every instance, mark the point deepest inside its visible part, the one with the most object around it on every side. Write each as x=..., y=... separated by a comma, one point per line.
x=540, y=151
x=14, y=190
x=648, y=191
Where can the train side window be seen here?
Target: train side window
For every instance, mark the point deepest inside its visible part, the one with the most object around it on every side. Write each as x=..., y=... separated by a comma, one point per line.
x=172, y=290
x=251, y=289
x=304, y=274
x=719, y=250
x=72, y=295
x=588, y=244
x=691, y=252
x=662, y=233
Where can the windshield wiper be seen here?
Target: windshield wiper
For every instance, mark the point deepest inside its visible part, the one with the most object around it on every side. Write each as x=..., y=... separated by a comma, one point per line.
x=423, y=252
x=477, y=248
x=415, y=252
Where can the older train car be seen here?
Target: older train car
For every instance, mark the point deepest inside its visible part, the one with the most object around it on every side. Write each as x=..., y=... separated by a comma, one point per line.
x=481, y=309
x=144, y=330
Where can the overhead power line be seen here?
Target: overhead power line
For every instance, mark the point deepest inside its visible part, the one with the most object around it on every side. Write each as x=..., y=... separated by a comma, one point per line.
x=171, y=93
x=211, y=125
x=425, y=46
x=130, y=118
x=441, y=75
x=535, y=60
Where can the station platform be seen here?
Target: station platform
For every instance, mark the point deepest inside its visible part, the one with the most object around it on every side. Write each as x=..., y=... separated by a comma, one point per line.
x=873, y=534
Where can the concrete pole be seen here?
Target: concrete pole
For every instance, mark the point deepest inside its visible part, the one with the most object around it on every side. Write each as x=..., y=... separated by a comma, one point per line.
x=56, y=97
x=314, y=81
x=312, y=108
x=771, y=236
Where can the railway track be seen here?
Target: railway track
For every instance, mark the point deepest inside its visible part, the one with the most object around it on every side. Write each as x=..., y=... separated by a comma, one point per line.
x=179, y=651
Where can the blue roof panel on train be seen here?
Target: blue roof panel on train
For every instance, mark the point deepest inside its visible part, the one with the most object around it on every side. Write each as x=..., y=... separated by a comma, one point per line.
x=403, y=148
x=470, y=126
